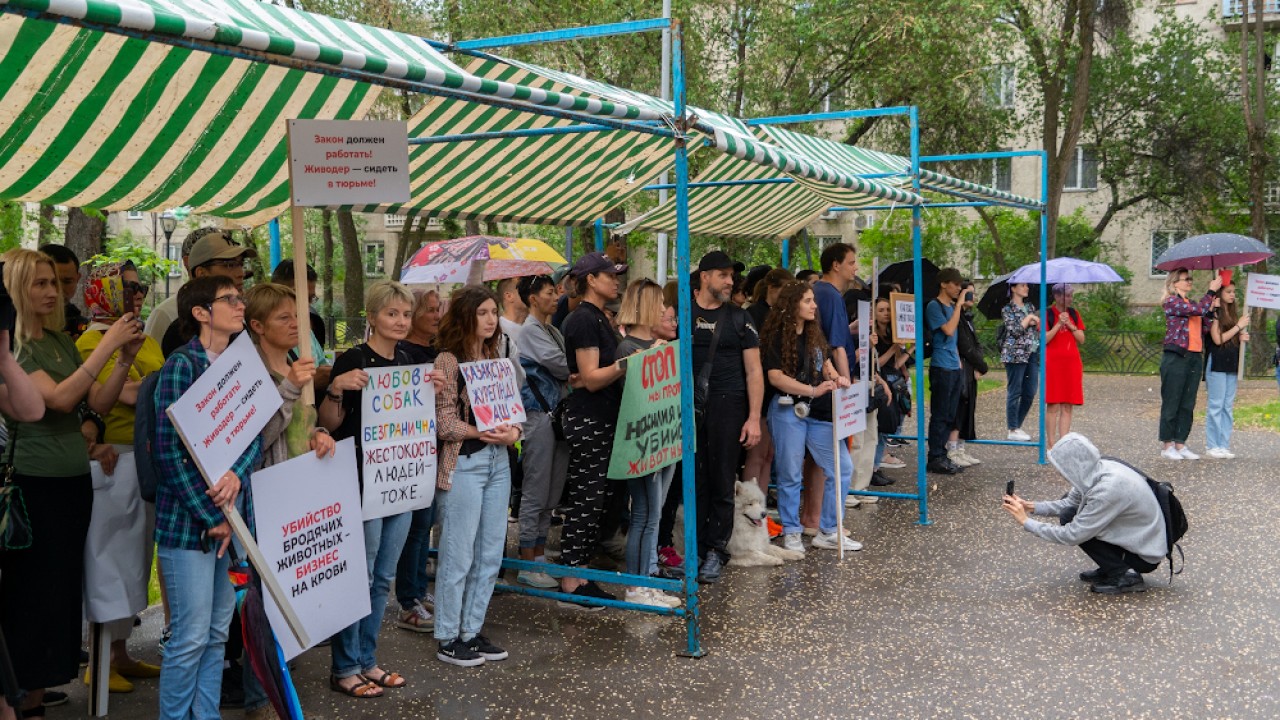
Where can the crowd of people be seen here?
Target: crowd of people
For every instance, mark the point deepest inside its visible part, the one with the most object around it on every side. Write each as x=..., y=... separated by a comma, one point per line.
x=769, y=349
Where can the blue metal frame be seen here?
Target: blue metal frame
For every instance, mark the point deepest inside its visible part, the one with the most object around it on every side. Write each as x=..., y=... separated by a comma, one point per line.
x=598, y=231
x=500, y=135
x=579, y=33
x=273, y=228
x=837, y=115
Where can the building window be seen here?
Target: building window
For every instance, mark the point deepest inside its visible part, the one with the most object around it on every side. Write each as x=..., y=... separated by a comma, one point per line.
x=375, y=255
x=174, y=251
x=1082, y=173
x=393, y=221
x=1162, y=240
x=825, y=241
x=1002, y=174
x=135, y=215
x=1004, y=84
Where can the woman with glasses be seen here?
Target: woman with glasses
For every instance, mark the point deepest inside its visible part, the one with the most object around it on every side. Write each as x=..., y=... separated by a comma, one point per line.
x=191, y=530
x=105, y=293
x=1180, y=363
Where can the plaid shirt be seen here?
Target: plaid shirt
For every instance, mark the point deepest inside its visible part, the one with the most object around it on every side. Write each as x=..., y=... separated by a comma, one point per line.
x=183, y=510
x=1178, y=312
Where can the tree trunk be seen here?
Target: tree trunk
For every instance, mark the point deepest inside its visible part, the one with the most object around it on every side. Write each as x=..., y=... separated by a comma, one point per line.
x=472, y=227
x=326, y=265
x=85, y=231
x=1253, y=79
x=353, y=285
x=46, y=229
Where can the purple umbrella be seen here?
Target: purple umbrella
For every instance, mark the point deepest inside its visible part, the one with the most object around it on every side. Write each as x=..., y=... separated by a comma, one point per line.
x=1213, y=251
x=1066, y=270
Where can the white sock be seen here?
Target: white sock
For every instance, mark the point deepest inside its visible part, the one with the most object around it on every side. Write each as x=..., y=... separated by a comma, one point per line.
x=540, y=558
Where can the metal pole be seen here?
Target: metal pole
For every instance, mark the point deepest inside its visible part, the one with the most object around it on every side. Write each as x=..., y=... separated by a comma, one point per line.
x=1044, y=289
x=917, y=215
x=274, y=228
x=598, y=227
x=664, y=249
x=687, y=426
x=568, y=244
x=785, y=261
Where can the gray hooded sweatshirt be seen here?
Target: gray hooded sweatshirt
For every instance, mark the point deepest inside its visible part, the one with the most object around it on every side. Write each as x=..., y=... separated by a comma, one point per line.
x=1114, y=503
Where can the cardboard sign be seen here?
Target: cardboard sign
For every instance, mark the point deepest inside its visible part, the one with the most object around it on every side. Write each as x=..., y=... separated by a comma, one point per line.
x=1264, y=291
x=398, y=440
x=904, y=317
x=648, y=437
x=493, y=392
x=864, y=340
x=849, y=409
x=226, y=408
x=348, y=162
x=311, y=534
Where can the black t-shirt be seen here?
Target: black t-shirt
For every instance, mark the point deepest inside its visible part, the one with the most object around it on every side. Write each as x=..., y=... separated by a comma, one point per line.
x=174, y=338
x=418, y=354
x=561, y=314
x=587, y=327
x=807, y=369
x=728, y=372
x=360, y=357
x=318, y=328
x=759, y=312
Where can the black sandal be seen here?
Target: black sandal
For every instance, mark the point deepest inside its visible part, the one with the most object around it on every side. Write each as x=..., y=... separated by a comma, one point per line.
x=363, y=690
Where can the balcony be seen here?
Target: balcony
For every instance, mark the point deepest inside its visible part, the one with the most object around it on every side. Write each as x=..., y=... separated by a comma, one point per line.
x=1232, y=11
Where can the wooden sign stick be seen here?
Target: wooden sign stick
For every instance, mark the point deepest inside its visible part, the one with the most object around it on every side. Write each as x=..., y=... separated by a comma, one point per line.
x=301, y=296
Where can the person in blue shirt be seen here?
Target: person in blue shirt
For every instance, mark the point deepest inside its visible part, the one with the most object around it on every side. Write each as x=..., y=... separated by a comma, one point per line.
x=941, y=320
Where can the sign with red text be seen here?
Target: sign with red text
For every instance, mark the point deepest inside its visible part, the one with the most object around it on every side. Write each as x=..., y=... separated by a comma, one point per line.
x=348, y=162
x=311, y=534
x=226, y=407
x=398, y=440
x=849, y=409
x=648, y=437
x=1264, y=291
x=493, y=393
x=903, y=307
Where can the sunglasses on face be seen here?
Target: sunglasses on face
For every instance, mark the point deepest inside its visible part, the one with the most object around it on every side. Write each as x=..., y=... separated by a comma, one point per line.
x=232, y=301
x=136, y=287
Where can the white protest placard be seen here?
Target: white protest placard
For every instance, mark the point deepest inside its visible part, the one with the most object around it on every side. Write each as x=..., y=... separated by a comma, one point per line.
x=1264, y=291
x=493, y=393
x=849, y=409
x=311, y=534
x=904, y=317
x=864, y=340
x=226, y=407
x=348, y=162
x=398, y=440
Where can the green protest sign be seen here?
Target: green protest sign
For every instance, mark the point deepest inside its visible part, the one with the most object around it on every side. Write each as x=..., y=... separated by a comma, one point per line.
x=648, y=437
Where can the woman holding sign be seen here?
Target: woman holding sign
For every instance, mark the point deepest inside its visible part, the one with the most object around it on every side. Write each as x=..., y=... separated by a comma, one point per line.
x=1180, y=363
x=389, y=307
x=797, y=362
x=473, y=483
x=1227, y=330
x=41, y=585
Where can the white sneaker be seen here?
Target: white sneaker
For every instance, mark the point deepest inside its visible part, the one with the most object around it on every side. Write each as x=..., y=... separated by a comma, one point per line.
x=827, y=541
x=1019, y=435
x=537, y=579
x=972, y=460
x=793, y=542
x=958, y=457
x=671, y=601
x=1171, y=453
x=1186, y=453
x=891, y=462
x=1227, y=454
x=852, y=501
x=1220, y=454
x=641, y=596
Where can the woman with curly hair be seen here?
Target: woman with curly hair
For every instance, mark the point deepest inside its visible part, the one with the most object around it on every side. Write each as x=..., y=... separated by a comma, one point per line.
x=797, y=363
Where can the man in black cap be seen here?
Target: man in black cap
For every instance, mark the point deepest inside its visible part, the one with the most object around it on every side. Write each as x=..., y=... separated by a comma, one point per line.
x=730, y=382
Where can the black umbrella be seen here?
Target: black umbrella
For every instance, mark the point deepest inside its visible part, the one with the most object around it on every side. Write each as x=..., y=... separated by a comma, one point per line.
x=1213, y=251
x=902, y=273
x=992, y=303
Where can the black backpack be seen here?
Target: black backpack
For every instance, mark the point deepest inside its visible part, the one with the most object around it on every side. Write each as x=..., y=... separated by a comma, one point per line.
x=144, y=434
x=1175, y=519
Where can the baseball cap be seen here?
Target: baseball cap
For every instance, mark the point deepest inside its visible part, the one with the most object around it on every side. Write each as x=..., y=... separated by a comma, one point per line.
x=558, y=274
x=216, y=246
x=715, y=260
x=596, y=262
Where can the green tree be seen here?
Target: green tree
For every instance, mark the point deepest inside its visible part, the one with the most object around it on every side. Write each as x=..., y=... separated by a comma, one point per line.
x=126, y=247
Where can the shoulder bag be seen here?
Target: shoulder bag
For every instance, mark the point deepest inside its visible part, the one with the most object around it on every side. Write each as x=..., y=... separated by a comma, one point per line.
x=15, y=525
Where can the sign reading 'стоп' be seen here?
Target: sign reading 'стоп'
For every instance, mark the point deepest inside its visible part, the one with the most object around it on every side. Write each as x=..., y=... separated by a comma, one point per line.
x=347, y=162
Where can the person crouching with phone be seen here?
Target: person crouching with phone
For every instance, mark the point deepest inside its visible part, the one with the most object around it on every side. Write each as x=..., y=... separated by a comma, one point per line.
x=1110, y=513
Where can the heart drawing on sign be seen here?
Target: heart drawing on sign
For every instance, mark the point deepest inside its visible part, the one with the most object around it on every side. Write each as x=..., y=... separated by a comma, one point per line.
x=484, y=414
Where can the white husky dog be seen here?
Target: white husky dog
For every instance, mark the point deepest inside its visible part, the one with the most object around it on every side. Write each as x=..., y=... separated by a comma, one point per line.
x=749, y=546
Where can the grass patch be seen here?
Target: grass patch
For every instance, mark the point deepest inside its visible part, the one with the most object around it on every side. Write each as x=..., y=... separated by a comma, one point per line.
x=1263, y=416
x=988, y=384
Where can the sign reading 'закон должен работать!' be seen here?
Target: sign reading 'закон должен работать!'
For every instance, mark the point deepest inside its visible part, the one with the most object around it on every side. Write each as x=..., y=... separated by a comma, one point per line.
x=347, y=162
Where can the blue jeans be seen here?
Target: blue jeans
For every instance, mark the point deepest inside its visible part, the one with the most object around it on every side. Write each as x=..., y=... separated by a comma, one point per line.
x=473, y=535
x=1222, y=399
x=791, y=437
x=648, y=493
x=354, y=649
x=201, y=601
x=411, y=572
x=1020, y=392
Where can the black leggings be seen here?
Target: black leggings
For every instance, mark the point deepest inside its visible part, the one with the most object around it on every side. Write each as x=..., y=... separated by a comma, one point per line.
x=1111, y=558
x=588, y=490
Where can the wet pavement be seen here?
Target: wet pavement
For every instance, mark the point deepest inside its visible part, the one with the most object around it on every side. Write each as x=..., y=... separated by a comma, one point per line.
x=971, y=617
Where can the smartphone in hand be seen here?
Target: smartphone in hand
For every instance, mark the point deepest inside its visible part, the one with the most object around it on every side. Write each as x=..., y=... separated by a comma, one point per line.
x=1008, y=488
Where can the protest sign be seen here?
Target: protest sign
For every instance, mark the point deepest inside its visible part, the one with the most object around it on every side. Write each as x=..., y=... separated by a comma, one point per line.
x=864, y=340
x=1264, y=291
x=849, y=409
x=648, y=437
x=226, y=407
x=904, y=317
x=398, y=440
x=311, y=534
x=493, y=392
x=348, y=162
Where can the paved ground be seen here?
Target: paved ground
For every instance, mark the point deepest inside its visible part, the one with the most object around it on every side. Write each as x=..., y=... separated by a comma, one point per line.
x=968, y=618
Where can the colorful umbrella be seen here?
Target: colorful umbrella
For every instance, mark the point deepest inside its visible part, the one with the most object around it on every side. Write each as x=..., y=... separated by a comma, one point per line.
x=1066, y=270
x=480, y=258
x=1213, y=251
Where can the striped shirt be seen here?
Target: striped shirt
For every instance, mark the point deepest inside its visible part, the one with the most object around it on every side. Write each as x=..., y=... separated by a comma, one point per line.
x=183, y=510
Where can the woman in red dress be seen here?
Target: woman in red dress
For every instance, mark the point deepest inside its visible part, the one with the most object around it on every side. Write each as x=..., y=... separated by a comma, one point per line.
x=1063, y=369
